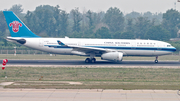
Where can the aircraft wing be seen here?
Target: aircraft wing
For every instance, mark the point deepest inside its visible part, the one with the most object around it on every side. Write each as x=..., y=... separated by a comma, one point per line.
x=87, y=49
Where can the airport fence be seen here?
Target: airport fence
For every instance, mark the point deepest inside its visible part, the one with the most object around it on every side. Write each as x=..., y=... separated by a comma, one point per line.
x=22, y=52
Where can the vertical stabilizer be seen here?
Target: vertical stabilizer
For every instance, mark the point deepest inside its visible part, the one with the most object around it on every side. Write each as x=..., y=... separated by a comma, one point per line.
x=16, y=27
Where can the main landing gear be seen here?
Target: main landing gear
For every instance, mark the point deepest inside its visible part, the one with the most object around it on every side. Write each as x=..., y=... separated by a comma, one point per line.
x=156, y=61
x=88, y=60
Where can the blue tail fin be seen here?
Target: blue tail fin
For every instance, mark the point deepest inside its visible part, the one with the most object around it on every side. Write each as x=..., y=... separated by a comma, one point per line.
x=16, y=27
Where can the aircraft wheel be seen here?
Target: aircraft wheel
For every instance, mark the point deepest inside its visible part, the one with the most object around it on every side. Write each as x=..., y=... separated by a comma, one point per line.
x=156, y=61
x=87, y=60
x=93, y=60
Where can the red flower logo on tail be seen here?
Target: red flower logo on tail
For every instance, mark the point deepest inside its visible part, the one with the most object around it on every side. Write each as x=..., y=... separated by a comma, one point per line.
x=15, y=26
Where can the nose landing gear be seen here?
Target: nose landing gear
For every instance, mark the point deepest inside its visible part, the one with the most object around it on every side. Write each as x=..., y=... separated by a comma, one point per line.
x=156, y=61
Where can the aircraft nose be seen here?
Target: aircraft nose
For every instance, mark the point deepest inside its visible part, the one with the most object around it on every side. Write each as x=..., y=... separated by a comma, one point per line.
x=174, y=49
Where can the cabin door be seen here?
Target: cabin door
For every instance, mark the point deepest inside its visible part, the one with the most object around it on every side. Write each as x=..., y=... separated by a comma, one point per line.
x=40, y=42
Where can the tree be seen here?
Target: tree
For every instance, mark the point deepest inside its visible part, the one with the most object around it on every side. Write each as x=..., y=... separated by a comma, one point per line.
x=3, y=26
x=114, y=19
x=170, y=21
x=158, y=33
x=130, y=26
x=42, y=20
x=127, y=35
x=28, y=19
x=48, y=21
x=100, y=17
x=76, y=18
x=141, y=27
x=117, y=35
x=17, y=9
x=103, y=32
x=133, y=15
x=156, y=18
x=64, y=22
x=90, y=17
x=56, y=15
x=148, y=15
x=61, y=24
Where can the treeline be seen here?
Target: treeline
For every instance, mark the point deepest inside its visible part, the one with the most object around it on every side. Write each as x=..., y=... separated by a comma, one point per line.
x=54, y=22
x=49, y=21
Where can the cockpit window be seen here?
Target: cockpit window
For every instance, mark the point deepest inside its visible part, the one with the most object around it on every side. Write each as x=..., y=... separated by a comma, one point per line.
x=168, y=45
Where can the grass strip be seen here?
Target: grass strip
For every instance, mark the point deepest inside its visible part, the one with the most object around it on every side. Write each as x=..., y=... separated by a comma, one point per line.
x=92, y=78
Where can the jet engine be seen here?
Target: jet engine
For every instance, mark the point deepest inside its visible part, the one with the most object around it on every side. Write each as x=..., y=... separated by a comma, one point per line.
x=113, y=56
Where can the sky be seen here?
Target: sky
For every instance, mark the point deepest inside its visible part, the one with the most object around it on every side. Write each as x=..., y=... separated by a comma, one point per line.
x=126, y=6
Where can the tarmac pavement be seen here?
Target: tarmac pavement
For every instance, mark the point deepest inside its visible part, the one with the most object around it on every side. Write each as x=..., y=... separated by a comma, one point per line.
x=99, y=63
x=87, y=95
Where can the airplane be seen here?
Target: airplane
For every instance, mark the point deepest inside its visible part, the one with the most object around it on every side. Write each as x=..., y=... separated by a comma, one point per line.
x=107, y=49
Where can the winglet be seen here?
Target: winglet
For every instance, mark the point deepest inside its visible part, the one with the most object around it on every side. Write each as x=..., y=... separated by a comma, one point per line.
x=60, y=43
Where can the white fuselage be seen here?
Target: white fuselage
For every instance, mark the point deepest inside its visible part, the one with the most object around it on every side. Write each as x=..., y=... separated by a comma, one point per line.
x=127, y=47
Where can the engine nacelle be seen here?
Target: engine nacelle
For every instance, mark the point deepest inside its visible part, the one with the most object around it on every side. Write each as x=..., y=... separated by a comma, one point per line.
x=113, y=56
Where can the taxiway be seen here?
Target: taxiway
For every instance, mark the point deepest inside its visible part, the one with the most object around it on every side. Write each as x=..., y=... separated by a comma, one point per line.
x=87, y=95
x=98, y=63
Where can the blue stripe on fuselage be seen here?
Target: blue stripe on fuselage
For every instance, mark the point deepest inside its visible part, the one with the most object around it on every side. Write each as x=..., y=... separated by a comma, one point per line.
x=136, y=48
x=122, y=48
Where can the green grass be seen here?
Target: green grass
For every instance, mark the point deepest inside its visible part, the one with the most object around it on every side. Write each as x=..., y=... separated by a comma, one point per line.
x=92, y=78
